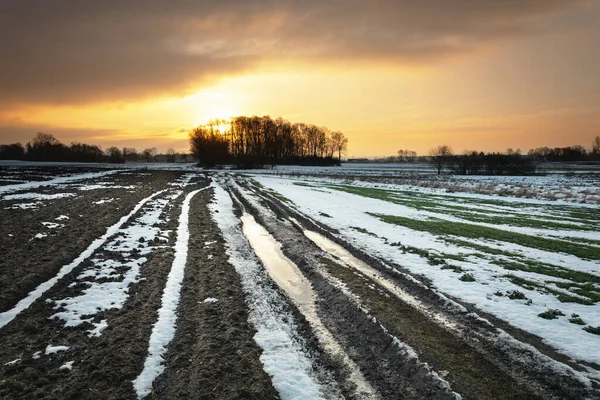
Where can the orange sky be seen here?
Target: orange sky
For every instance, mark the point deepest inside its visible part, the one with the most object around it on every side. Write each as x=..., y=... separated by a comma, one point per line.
x=391, y=75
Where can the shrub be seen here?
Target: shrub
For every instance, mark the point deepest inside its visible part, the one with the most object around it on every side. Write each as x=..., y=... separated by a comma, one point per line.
x=551, y=314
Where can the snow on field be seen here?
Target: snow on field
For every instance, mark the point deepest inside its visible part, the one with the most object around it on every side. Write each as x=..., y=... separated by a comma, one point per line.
x=55, y=349
x=68, y=366
x=54, y=182
x=349, y=214
x=558, y=187
x=103, y=201
x=9, y=315
x=163, y=330
x=107, y=280
x=36, y=196
x=284, y=357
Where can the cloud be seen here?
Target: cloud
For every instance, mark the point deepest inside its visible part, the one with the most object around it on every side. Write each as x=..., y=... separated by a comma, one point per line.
x=73, y=51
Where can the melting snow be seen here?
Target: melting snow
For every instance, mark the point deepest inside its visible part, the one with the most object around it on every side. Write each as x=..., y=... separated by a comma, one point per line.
x=66, y=366
x=108, y=280
x=55, y=349
x=283, y=357
x=210, y=300
x=164, y=328
x=9, y=315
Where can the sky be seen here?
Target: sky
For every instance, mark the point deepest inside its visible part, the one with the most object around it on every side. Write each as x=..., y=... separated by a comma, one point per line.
x=390, y=74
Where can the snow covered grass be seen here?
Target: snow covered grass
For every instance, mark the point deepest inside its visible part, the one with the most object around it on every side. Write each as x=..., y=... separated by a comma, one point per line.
x=163, y=330
x=515, y=258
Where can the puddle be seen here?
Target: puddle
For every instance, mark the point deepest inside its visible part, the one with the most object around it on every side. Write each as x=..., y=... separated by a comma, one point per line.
x=349, y=260
x=289, y=278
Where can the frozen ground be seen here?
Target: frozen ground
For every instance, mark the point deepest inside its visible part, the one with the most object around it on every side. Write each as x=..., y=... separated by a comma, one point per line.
x=359, y=282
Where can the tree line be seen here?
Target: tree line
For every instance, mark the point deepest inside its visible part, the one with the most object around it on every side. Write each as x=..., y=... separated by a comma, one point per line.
x=46, y=147
x=251, y=142
x=512, y=162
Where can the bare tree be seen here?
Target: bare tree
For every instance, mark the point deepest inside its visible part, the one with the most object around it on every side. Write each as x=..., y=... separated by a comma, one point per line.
x=596, y=145
x=440, y=157
x=171, y=155
x=339, y=143
x=115, y=155
x=130, y=154
x=149, y=154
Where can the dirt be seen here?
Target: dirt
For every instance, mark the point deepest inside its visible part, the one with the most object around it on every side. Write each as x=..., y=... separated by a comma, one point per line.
x=213, y=354
x=28, y=261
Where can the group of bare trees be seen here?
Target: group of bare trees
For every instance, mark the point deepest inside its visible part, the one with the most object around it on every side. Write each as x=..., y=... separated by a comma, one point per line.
x=570, y=153
x=256, y=141
x=480, y=163
x=512, y=162
x=46, y=147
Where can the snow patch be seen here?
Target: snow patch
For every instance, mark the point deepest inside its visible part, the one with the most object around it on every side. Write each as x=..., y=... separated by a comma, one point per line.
x=23, y=304
x=55, y=349
x=163, y=330
x=66, y=366
x=210, y=300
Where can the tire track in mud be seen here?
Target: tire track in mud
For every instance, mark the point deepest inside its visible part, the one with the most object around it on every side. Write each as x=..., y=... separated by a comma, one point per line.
x=468, y=367
x=388, y=367
x=101, y=366
x=290, y=353
x=213, y=354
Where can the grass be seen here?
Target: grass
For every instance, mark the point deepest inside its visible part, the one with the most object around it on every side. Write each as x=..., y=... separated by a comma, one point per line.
x=478, y=247
x=440, y=227
x=592, y=329
x=547, y=269
x=551, y=314
x=460, y=209
x=303, y=184
x=576, y=319
x=516, y=295
x=467, y=278
x=560, y=296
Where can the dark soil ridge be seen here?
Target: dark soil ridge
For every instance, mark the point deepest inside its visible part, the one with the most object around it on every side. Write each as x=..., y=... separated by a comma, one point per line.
x=520, y=363
x=27, y=263
x=213, y=354
x=103, y=367
x=392, y=373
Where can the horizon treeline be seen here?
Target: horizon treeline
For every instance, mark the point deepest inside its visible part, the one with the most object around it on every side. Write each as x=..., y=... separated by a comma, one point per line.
x=509, y=163
x=251, y=142
x=46, y=147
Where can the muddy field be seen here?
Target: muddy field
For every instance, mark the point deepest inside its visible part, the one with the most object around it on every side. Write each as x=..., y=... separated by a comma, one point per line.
x=212, y=285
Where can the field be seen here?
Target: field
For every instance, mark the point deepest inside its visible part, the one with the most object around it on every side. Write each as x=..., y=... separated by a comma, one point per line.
x=358, y=282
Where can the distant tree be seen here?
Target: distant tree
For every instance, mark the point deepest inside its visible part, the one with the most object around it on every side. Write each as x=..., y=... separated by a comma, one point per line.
x=596, y=146
x=45, y=147
x=209, y=146
x=407, y=156
x=15, y=151
x=440, y=157
x=115, y=155
x=149, y=154
x=171, y=155
x=82, y=152
x=339, y=143
x=130, y=154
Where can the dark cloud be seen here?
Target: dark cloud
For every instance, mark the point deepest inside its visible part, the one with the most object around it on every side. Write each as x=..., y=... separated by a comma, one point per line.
x=69, y=51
